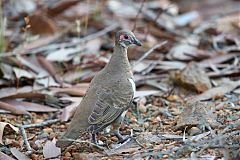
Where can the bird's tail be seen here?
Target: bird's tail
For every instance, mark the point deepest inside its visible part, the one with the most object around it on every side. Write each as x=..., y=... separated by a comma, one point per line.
x=68, y=138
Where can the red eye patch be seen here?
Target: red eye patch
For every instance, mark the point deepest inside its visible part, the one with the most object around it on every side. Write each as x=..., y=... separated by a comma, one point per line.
x=123, y=37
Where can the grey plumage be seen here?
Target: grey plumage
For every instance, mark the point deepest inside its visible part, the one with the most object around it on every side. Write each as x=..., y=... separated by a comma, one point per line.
x=108, y=96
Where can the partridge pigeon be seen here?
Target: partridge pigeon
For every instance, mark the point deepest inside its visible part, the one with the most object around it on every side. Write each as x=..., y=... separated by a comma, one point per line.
x=108, y=97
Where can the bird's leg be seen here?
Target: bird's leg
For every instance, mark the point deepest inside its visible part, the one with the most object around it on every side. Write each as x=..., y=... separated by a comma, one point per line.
x=116, y=124
x=94, y=140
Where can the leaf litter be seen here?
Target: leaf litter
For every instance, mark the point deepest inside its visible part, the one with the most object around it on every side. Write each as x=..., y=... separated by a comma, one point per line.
x=187, y=99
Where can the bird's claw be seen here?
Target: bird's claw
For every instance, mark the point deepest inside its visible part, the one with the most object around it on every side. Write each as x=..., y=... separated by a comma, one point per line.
x=121, y=138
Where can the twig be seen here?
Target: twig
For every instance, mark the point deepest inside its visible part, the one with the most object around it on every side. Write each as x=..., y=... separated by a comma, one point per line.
x=24, y=135
x=139, y=11
x=25, y=139
x=150, y=51
x=44, y=123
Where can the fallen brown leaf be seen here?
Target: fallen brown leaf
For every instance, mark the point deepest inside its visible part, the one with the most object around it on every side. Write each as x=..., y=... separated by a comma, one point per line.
x=13, y=109
x=29, y=106
x=2, y=127
x=216, y=92
x=77, y=90
x=23, y=92
x=69, y=111
x=46, y=64
x=41, y=24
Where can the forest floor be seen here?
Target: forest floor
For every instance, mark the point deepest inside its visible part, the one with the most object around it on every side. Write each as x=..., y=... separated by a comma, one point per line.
x=187, y=74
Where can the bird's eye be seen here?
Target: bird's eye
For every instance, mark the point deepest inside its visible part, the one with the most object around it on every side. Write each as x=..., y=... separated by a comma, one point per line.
x=126, y=37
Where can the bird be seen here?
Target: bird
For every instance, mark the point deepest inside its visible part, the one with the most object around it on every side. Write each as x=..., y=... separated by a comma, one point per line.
x=108, y=96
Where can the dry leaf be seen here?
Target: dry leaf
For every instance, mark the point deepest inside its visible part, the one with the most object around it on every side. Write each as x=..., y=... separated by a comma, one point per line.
x=59, y=6
x=5, y=157
x=217, y=59
x=20, y=73
x=50, y=150
x=19, y=155
x=23, y=92
x=44, y=79
x=170, y=65
x=38, y=43
x=2, y=127
x=184, y=51
x=41, y=24
x=7, y=71
x=29, y=106
x=78, y=90
x=13, y=109
x=69, y=111
x=216, y=92
x=47, y=65
x=186, y=18
x=63, y=54
x=122, y=9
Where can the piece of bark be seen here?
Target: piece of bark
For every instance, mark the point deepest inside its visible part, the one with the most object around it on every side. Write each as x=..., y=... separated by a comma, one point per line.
x=193, y=77
x=195, y=114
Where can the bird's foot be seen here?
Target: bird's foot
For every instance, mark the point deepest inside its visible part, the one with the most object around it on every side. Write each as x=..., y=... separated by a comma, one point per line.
x=95, y=141
x=121, y=138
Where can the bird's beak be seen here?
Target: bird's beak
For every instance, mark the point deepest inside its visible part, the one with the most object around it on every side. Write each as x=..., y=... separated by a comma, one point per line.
x=137, y=42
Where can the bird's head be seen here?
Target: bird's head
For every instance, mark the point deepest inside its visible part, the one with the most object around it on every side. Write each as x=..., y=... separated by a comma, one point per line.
x=126, y=38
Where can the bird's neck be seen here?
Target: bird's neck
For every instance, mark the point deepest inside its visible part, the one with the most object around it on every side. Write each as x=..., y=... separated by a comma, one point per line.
x=119, y=60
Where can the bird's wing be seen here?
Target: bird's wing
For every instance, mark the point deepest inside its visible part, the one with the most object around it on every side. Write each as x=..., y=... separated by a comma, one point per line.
x=110, y=104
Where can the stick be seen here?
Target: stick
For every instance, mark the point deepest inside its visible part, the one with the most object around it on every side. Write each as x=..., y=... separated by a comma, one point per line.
x=25, y=139
x=44, y=123
x=150, y=51
x=24, y=134
x=139, y=11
